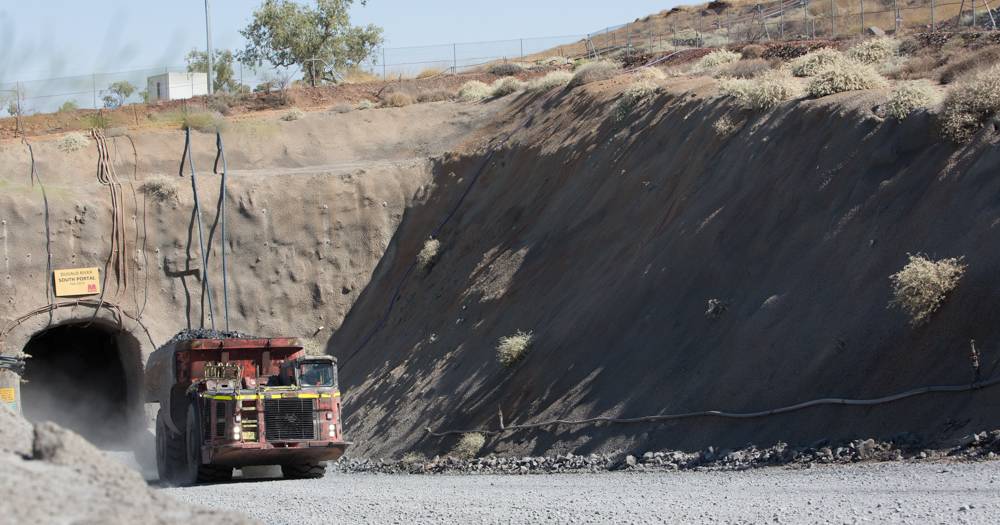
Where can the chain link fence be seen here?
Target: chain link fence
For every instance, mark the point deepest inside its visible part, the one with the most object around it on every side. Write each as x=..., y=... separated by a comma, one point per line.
x=717, y=24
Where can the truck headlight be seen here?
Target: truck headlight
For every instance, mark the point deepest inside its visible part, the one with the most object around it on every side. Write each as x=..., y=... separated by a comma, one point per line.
x=333, y=431
x=236, y=433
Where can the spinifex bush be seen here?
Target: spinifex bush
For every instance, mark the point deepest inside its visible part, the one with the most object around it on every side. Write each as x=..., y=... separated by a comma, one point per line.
x=874, y=51
x=511, y=348
x=474, y=90
x=909, y=97
x=594, y=72
x=922, y=285
x=813, y=63
x=846, y=76
x=762, y=92
x=970, y=104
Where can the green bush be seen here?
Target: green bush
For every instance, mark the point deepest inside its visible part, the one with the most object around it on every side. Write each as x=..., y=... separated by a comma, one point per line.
x=293, y=114
x=74, y=141
x=469, y=446
x=922, y=285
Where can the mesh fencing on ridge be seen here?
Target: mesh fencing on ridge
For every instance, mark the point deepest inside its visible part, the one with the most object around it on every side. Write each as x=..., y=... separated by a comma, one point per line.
x=704, y=27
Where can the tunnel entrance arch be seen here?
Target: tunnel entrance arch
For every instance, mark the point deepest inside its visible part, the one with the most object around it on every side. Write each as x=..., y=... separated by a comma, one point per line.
x=86, y=377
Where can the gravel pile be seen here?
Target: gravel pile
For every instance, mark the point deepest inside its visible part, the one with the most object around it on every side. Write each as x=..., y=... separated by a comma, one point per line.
x=52, y=475
x=207, y=333
x=982, y=445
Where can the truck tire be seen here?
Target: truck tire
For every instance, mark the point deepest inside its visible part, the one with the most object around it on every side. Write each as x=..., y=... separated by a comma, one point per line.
x=186, y=472
x=169, y=450
x=304, y=471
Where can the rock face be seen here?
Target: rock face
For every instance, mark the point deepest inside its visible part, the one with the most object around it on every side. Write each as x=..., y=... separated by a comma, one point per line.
x=51, y=474
x=627, y=229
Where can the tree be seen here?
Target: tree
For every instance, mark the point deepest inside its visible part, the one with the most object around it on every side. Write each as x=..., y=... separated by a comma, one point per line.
x=319, y=39
x=222, y=68
x=119, y=92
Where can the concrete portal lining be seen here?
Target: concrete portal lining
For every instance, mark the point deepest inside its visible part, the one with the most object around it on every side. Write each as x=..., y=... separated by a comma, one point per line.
x=129, y=339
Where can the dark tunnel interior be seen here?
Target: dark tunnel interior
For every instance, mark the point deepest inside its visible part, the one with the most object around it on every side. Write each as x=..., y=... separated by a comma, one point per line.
x=77, y=376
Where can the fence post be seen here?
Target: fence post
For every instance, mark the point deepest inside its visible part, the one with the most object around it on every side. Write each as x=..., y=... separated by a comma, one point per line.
x=781, y=19
x=805, y=16
x=932, y=16
x=833, y=19
x=895, y=16
x=522, y=48
x=454, y=57
x=385, y=69
x=862, y=11
x=973, y=14
x=94, y=81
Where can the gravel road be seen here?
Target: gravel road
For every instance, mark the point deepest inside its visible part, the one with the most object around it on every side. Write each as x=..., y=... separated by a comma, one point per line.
x=874, y=493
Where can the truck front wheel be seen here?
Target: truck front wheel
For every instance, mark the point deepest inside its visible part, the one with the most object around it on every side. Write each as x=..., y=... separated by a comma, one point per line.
x=304, y=470
x=186, y=470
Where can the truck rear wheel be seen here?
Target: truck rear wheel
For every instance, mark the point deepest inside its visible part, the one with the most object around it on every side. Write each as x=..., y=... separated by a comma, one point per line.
x=304, y=470
x=185, y=470
x=169, y=450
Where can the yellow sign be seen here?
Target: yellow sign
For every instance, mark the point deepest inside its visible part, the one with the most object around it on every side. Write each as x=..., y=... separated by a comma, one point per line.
x=7, y=395
x=78, y=281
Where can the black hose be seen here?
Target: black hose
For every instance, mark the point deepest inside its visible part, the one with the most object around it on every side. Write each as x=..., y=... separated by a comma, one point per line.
x=222, y=211
x=48, y=230
x=207, y=289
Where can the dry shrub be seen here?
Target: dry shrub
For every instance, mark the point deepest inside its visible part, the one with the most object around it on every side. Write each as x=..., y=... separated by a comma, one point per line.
x=593, y=72
x=204, y=121
x=874, y=51
x=434, y=95
x=762, y=92
x=343, y=107
x=474, y=90
x=366, y=104
x=159, y=188
x=555, y=61
x=71, y=142
x=293, y=114
x=469, y=446
x=811, y=64
x=846, y=76
x=970, y=104
x=649, y=74
x=716, y=59
x=969, y=63
x=549, y=81
x=909, y=97
x=506, y=69
x=724, y=126
x=744, y=68
x=922, y=285
x=358, y=76
x=429, y=253
x=511, y=348
x=397, y=99
x=631, y=98
x=505, y=86
x=753, y=51
x=920, y=66
x=429, y=72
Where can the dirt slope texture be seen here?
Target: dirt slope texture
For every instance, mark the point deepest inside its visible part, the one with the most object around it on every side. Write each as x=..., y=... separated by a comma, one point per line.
x=51, y=475
x=606, y=239
x=312, y=205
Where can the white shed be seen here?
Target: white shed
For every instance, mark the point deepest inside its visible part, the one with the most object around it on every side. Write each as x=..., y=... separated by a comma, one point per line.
x=176, y=86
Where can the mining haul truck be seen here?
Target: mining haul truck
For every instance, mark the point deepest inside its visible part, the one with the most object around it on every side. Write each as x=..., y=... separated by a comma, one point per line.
x=229, y=403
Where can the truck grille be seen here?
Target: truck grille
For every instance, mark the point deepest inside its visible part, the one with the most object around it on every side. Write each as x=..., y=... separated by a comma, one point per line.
x=290, y=419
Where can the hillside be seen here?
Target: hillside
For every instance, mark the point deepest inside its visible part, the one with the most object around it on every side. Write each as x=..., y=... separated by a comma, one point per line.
x=607, y=240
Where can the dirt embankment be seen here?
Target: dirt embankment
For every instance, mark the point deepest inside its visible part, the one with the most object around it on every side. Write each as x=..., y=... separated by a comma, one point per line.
x=312, y=204
x=51, y=475
x=607, y=238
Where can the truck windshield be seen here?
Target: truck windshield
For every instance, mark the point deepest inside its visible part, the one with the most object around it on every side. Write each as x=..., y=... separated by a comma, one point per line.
x=316, y=374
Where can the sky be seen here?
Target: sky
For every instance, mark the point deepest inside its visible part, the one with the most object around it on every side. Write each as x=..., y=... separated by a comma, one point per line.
x=42, y=39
